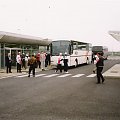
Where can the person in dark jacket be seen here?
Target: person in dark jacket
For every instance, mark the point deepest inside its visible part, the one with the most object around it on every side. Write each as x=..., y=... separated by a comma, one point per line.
x=99, y=65
x=8, y=63
x=48, y=59
x=32, y=63
x=65, y=60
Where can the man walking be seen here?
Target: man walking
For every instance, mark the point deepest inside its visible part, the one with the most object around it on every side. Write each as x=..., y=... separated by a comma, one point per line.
x=99, y=65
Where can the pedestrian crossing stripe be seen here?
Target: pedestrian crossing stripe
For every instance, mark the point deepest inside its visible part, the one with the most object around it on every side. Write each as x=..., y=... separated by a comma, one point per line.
x=4, y=77
x=92, y=75
x=52, y=75
x=7, y=76
x=22, y=76
x=57, y=75
x=78, y=75
x=39, y=75
x=65, y=75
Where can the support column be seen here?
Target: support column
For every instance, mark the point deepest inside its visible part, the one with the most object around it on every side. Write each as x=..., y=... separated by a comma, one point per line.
x=0, y=55
x=4, y=54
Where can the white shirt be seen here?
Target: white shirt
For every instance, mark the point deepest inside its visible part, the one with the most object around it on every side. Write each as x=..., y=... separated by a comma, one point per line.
x=18, y=59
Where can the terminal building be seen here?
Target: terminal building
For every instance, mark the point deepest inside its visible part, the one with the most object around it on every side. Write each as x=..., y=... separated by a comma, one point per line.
x=13, y=43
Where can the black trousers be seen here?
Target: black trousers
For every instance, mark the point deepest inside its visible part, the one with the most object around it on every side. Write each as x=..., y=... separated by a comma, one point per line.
x=32, y=68
x=66, y=67
x=39, y=64
x=59, y=67
x=18, y=67
x=8, y=69
x=99, y=74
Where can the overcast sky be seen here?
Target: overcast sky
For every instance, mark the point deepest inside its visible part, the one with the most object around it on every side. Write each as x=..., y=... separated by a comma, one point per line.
x=84, y=20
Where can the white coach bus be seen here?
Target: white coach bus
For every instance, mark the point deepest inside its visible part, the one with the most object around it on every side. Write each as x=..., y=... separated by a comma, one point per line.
x=77, y=52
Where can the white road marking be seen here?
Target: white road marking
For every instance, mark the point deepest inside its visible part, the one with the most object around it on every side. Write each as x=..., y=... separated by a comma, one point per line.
x=51, y=75
x=78, y=75
x=39, y=75
x=22, y=76
x=65, y=75
x=91, y=75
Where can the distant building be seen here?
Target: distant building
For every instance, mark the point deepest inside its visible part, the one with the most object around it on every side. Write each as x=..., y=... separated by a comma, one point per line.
x=14, y=43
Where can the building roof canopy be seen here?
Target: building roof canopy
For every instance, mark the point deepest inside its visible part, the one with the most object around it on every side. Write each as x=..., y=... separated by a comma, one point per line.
x=115, y=34
x=6, y=37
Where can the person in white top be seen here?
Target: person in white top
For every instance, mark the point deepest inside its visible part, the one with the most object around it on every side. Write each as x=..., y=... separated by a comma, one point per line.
x=19, y=62
x=26, y=60
x=42, y=60
x=96, y=58
x=59, y=63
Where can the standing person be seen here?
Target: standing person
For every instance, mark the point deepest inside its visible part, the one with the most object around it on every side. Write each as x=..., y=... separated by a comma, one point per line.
x=23, y=60
x=99, y=65
x=59, y=63
x=19, y=62
x=65, y=60
x=96, y=58
x=38, y=60
x=26, y=60
x=32, y=63
x=42, y=59
x=8, y=63
x=48, y=59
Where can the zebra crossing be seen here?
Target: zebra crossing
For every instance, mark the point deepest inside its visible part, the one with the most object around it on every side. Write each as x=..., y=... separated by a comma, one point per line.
x=58, y=75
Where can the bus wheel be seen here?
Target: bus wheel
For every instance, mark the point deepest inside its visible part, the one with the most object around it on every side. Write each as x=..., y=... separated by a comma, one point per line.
x=87, y=61
x=76, y=62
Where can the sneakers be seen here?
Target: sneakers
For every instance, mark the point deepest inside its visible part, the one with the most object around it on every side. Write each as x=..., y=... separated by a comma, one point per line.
x=29, y=75
x=94, y=71
x=103, y=80
x=66, y=72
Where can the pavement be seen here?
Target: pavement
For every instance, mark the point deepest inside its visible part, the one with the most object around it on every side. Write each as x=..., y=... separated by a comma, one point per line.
x=113, y=72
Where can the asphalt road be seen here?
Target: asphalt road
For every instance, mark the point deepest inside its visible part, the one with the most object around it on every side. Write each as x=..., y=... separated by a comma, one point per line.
x=57, y=97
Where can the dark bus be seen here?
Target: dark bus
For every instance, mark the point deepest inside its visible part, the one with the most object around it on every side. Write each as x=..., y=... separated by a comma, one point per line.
x=101, y=49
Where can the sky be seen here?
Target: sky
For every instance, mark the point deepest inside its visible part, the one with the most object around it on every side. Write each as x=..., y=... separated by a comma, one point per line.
x=83, y=20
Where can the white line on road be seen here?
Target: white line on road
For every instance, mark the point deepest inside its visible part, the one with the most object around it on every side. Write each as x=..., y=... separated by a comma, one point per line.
x=65, y=75
x=51, y=75
x=22, y=76
x=39, y=75
x=78, y=75
x=91, y=75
